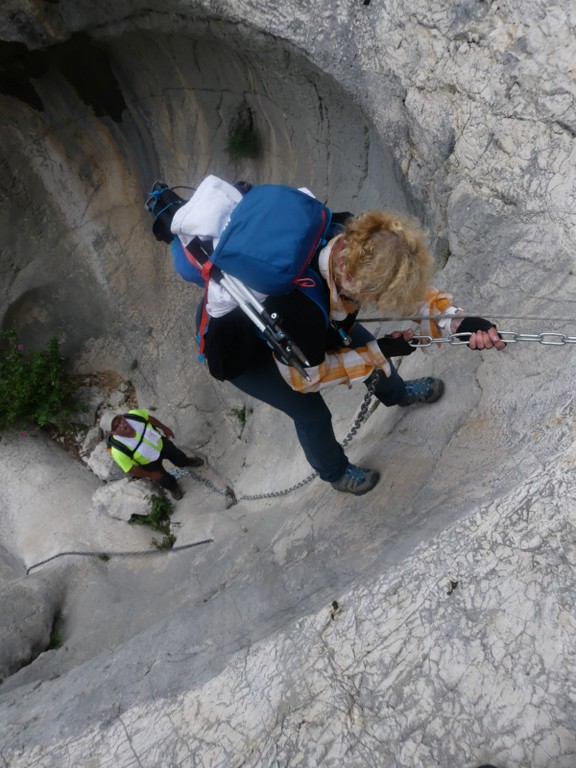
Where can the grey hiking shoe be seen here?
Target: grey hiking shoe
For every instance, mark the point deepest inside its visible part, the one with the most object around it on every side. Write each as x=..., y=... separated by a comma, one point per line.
x=356, y=480
x=426, y=390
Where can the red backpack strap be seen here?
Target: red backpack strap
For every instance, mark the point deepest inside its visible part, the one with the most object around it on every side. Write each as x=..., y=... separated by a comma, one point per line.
x=203, y=267
x=198, y=254
x=204, y=318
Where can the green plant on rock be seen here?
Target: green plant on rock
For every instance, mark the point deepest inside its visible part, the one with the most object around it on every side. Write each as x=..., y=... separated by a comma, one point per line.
x=56, y=632
x=158, y=519
x=242, y=414
x=35, y=388
x=168, y=541
x=243, y=138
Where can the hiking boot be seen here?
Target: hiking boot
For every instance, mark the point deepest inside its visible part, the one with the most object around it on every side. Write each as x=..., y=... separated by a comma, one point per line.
x=176, y=493
x=356, y=480
x=194, y=461
x=426, y=390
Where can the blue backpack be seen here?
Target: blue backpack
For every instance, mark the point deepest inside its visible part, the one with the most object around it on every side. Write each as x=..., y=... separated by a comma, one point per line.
x=267, y=244
x=271, y=237
x=185, y=267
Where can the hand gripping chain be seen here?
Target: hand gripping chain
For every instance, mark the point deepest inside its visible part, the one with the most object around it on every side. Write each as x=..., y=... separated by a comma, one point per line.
x=548, y=338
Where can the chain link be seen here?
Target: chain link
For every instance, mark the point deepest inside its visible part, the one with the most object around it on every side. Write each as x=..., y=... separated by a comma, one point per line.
x=227, y=492
x=451, y=316
x=274, y=494
x=363, y=414
x=547, y=338
x=107, y=555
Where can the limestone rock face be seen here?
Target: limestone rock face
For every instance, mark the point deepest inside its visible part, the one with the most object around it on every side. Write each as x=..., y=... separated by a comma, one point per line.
x=102, y=464
x=430, y=623
x=92, y=438
x=27, y=633
x=123, y=499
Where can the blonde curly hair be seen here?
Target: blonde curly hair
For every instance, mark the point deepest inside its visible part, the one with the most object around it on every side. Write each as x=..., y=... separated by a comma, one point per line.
x=385, y=261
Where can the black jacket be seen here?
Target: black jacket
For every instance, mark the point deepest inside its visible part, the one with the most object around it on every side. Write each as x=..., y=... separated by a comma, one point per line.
x=232, y=344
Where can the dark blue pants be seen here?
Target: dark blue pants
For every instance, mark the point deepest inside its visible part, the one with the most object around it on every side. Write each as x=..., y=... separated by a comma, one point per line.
x=311, y=415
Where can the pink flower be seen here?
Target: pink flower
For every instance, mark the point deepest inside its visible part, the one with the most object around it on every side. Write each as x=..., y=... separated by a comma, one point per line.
x=20, y=347
x=22, y=433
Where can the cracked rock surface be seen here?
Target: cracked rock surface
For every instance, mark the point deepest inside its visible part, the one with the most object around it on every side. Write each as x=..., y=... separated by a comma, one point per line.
x=429, y=623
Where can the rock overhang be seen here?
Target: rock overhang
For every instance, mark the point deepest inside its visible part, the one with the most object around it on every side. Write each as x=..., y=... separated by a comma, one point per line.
x=106, y=111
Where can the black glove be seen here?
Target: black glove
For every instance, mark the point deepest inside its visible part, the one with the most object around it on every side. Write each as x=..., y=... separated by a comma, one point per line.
x=473, y=324
x=392, y=346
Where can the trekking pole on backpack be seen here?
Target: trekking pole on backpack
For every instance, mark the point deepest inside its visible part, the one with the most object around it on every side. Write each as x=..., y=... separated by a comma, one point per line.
x=269, y=324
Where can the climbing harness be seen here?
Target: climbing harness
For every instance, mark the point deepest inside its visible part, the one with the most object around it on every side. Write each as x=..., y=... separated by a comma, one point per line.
x=231, y=497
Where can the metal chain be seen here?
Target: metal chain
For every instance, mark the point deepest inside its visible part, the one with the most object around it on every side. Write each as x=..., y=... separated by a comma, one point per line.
x=363, y=414
x=547, y=338
x=227, y=492
x=452, y=316
x=108, y=555
x=231, y=496
x=273, y=494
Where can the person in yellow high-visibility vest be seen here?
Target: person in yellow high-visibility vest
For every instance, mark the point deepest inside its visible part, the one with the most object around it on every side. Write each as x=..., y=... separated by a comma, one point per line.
x=138, y=446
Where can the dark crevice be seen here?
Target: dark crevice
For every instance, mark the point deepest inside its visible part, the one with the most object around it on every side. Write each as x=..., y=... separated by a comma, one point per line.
x=83, y=64
x=18, y=67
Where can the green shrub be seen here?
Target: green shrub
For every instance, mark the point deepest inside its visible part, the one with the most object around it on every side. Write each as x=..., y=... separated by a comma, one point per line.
x=242, y=414
x=243, y=138
x=35, y=389
x=159, y=520
x=168, y=541
x=56, y=632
